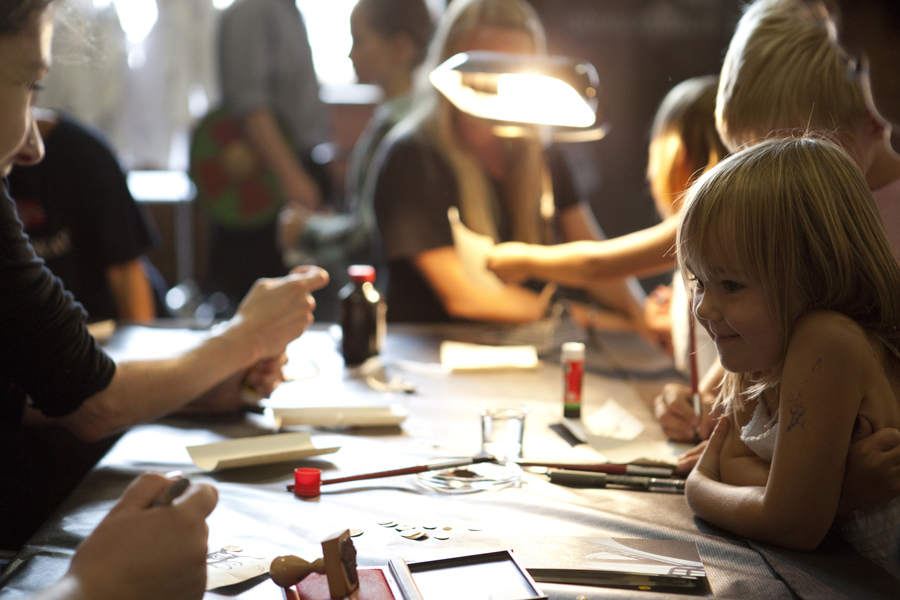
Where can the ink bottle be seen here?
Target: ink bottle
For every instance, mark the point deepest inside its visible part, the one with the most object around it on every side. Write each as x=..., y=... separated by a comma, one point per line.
x=362, y=315
x=572, y=360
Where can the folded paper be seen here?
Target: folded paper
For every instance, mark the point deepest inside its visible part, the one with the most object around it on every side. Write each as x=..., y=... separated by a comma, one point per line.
x=341, y=416
x=459, y=356
x=260, y=450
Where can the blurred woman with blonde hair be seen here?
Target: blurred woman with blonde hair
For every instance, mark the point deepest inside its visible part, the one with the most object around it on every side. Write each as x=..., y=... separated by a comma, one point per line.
x=504, y=188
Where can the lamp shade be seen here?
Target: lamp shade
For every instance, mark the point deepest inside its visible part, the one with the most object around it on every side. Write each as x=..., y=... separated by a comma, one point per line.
x=521, y=88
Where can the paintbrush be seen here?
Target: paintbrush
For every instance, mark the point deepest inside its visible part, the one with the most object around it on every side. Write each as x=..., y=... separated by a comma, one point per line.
x=435, y=466
x=605, y=468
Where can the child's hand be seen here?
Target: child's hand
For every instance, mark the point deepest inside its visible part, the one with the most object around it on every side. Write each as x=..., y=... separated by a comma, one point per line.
x=709, y=461
x=688, y=460
x=674, y=410
x=872, y=476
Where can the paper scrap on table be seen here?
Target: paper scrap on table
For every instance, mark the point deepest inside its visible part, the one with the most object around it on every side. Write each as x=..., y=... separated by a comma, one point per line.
x=472, y=249
x=648, y=451
x=341, y=416
x=460, y=356
x=612, y=420
x=259, y=450
x=233, y=564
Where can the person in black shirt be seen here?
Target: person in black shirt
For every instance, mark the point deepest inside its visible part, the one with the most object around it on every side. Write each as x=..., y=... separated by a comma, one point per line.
x=52, y=372
x=81, y=219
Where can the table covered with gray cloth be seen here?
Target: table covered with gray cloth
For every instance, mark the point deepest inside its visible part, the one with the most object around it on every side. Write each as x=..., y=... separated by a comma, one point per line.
x=256, y=512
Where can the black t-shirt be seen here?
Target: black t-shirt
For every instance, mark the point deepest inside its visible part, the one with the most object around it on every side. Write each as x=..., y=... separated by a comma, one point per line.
x=46, y=351
x=414, y=189
x=79, y=215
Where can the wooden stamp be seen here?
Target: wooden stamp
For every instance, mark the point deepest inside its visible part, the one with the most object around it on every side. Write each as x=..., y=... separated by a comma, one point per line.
x=340, y=565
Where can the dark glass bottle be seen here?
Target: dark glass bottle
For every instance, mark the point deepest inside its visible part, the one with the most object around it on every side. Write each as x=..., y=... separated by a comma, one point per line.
x=362, y=315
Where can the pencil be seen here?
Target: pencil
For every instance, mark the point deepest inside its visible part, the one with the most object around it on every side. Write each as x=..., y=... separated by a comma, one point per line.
x=692, y=351
x=172, y=492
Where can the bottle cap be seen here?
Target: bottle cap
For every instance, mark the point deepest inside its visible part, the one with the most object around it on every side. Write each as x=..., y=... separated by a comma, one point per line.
x=572, y=351
x=361, y=273
x=307, y=482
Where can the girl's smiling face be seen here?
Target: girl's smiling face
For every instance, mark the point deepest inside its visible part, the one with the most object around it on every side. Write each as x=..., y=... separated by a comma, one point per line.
x=733, y=307
x=24, y=60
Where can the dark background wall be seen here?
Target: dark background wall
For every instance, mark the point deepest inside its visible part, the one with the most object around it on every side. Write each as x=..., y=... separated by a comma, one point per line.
x=641, y=49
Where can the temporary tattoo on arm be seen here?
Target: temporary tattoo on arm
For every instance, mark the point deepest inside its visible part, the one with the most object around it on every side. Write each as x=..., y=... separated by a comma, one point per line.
x=795, y=406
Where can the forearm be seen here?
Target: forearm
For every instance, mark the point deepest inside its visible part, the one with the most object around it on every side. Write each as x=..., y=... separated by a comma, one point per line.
x=142, y=390
x=511, y=304
x=464, y=299
x=584, y=263
x=131, y=291
x=747, y=512
x=745, y=471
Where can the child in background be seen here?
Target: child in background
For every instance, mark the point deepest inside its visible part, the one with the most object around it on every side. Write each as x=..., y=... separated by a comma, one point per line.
x=794, y=279
x=783, y=74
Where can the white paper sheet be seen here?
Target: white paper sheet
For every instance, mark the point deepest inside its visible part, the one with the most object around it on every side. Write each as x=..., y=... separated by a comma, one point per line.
x=259, y=450
x=341, y=416
x=459, y=356
x=473, y=249
x=612, y=420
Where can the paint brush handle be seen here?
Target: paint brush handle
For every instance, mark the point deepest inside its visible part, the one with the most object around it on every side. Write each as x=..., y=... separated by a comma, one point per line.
x=605, y=468
x=435, y=466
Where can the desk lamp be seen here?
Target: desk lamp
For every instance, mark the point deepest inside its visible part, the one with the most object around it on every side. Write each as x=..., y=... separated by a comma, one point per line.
x=520, y=91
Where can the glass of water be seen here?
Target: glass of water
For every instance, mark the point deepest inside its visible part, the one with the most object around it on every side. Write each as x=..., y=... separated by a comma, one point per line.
x=502, y=429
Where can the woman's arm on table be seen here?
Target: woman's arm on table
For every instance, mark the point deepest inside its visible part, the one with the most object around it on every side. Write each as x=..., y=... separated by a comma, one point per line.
x=143, y=551
x=463, y=299
x=821, y=392
x=274, y=313
x=577, y=223
x=584, y=263
x=131, y=291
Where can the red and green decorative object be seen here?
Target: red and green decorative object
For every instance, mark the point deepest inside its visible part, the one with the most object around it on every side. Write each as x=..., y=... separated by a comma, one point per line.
x=232, y=186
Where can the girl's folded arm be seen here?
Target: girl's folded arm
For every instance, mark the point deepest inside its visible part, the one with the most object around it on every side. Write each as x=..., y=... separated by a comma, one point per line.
x=821, y=391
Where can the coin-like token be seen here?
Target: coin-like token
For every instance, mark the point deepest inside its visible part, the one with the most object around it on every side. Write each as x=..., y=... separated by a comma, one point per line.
x=429, y=526
x=356, y=532
x=474, y=528
x=413, y=534
x=404, y=527
x=441, y=536
x=447, y=528
x=388, y=523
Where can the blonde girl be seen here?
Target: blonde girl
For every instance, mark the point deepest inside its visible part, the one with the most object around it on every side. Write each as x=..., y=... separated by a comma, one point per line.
x=504, y=188
x=795, y=281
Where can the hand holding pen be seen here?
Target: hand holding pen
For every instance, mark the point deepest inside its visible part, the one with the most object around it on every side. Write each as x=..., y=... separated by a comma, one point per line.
x=148, y=545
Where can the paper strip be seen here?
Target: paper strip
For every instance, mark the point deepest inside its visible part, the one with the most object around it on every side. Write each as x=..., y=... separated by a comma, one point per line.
x=260, y=450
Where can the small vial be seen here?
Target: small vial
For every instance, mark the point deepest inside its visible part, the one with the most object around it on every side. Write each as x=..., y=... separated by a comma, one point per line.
x=362, y=315
x=572, y=360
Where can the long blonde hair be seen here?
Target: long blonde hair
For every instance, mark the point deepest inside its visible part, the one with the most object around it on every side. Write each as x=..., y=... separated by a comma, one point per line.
x=527, y=184
x=795, y=215
x=683, y=139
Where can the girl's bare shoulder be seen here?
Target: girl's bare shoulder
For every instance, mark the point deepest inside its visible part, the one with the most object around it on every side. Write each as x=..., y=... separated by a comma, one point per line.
x=830, y=334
